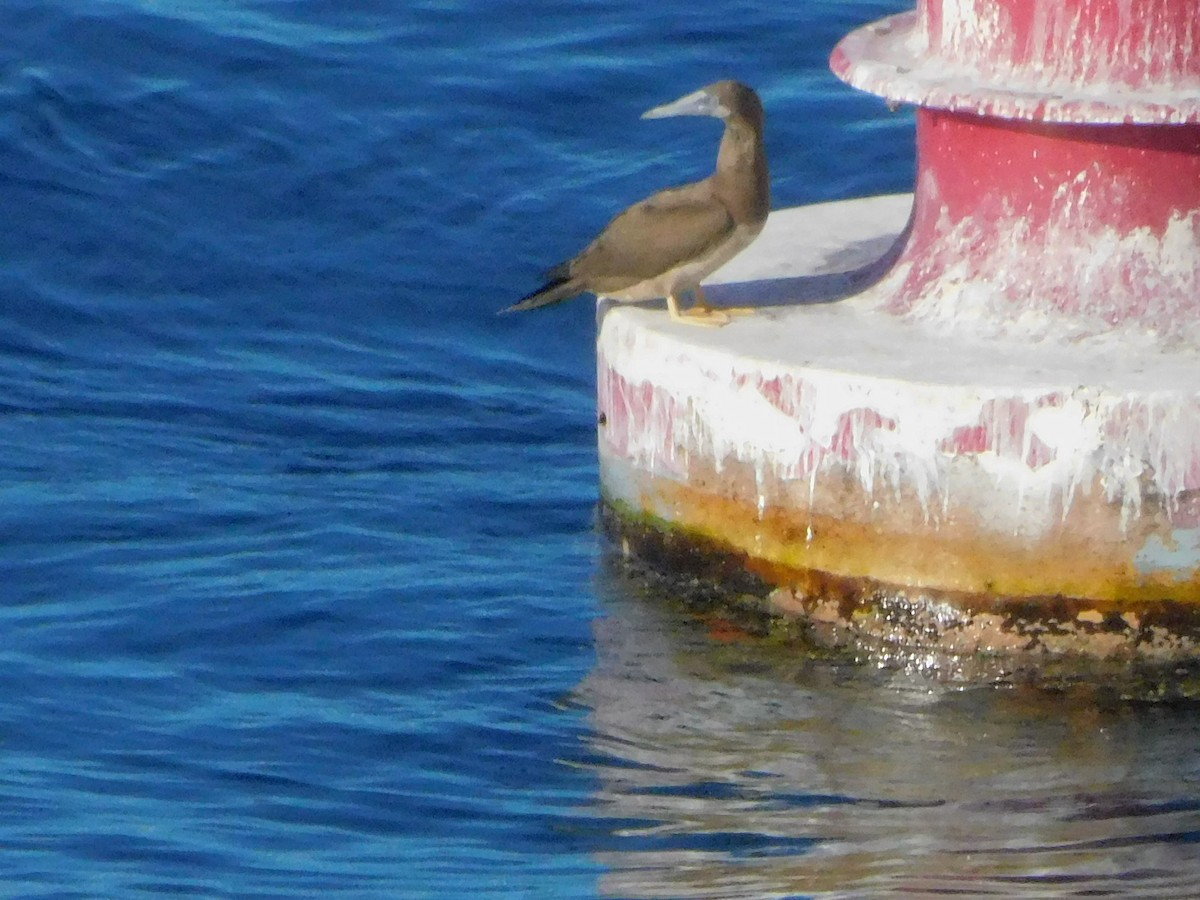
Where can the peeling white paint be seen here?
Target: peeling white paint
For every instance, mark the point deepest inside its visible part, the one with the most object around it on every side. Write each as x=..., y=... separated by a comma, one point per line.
x=1181, y=558
x=709, y=403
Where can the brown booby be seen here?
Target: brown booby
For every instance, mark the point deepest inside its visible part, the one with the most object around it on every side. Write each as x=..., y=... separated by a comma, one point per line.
x=665, y=245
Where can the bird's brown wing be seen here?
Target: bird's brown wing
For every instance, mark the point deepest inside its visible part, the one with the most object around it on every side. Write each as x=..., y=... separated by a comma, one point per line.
x=653, y=237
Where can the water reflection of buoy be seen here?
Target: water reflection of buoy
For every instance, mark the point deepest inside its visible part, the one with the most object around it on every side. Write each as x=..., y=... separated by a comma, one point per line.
x=991, y=441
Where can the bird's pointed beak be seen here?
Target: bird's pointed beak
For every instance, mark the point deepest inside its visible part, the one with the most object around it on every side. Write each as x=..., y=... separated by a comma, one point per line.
x=698, y=103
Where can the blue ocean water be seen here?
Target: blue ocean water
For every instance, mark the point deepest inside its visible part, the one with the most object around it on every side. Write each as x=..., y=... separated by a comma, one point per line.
x=302, y=593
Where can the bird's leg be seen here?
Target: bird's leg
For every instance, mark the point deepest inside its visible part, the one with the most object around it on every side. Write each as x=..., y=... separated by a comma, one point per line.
x=705, y=316
x=703, y=306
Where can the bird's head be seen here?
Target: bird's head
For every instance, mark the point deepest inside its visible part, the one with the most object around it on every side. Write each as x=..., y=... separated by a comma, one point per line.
x=722, y=99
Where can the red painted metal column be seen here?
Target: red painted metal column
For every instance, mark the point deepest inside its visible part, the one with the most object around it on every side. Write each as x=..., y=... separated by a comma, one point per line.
x=1058, y=159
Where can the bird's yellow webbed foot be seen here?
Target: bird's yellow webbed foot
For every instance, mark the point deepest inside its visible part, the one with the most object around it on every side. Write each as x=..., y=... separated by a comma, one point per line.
x=703, y=305
x=702, y=315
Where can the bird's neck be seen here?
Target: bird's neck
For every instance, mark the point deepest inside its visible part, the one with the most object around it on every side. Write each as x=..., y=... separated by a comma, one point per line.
x=741, y=177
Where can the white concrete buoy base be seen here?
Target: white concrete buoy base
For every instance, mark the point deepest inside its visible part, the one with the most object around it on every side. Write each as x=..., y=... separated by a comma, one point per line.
x=967, y=484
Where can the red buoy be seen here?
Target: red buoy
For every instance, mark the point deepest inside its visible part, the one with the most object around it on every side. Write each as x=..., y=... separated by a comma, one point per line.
x=994, y=445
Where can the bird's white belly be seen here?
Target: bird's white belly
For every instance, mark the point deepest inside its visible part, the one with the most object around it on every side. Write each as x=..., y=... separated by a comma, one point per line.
x=687, y=276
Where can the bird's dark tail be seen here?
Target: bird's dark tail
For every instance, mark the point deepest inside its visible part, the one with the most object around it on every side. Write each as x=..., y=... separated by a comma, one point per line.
x=557, y=289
